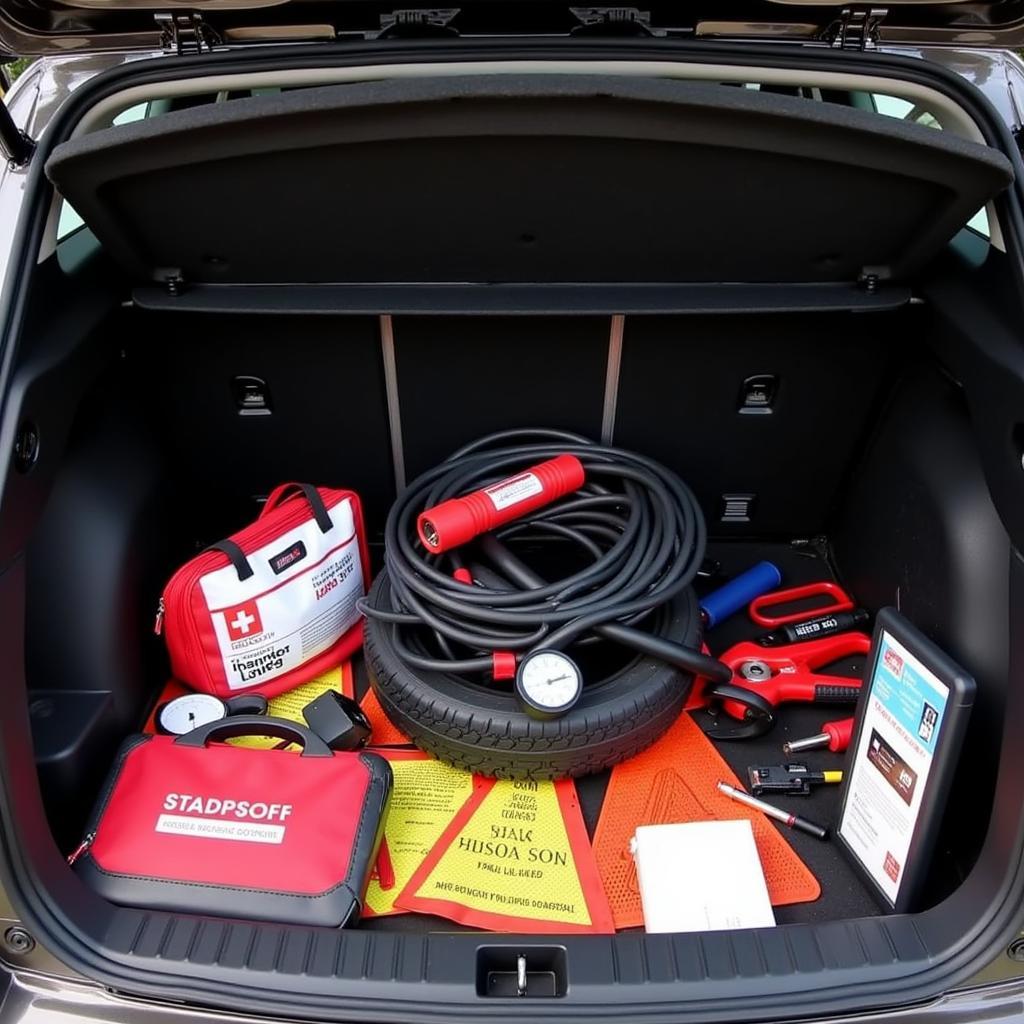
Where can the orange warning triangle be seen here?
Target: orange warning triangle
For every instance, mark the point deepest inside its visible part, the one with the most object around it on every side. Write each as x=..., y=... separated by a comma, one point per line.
x=674, y=781
x=516, y=858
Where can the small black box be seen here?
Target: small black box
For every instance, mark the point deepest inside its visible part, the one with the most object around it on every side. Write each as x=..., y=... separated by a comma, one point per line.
x=338, y=720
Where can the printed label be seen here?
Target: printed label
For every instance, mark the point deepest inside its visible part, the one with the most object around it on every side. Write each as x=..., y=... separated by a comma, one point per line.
x=891, y=867
x=187, y=803
x=273, y=622
x=217, y=828
x=243, y=621
x=806, y=629
x=514, y=490
x=288, y=557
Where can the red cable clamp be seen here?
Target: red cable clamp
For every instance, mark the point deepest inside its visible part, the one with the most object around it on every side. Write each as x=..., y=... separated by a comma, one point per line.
x=503, y=665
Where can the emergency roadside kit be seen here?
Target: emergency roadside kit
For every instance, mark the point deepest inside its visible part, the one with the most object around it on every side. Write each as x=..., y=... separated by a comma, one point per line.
x=273, y=605
x=506, y=568
x=272, y=835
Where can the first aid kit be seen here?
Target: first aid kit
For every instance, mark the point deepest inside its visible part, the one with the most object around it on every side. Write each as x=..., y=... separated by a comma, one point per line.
x=274, y=605
x=188, y=824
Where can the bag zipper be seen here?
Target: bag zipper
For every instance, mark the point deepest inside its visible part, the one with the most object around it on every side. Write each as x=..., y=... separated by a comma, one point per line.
x=81, y=848
x=96, y=816
x=384, y=870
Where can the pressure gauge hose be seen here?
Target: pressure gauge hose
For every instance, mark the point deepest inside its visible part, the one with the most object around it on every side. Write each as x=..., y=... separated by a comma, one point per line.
x=636, y=529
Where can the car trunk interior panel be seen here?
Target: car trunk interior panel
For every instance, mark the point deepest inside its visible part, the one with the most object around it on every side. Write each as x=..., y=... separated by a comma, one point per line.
x=162, y=422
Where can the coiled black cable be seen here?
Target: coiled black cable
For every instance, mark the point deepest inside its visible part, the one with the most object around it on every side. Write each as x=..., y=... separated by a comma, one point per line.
x=635, y=520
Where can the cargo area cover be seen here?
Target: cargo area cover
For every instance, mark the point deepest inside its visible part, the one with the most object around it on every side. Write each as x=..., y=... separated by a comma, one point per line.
x=524, y=179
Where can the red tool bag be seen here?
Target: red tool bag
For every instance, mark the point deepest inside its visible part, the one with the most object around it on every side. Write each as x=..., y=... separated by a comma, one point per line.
x=270, y=835
x=274, y=605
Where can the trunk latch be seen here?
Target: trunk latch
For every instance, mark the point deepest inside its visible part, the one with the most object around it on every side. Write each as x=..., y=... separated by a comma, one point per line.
x=516, y=972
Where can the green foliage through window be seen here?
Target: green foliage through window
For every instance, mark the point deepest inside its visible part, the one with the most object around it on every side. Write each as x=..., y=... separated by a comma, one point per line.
x=16, y=67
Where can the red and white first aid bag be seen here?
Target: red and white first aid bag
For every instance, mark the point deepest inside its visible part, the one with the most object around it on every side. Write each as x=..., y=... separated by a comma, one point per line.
x=274, y=605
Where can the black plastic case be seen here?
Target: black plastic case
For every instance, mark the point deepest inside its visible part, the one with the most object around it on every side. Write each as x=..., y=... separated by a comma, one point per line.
x=951, y=729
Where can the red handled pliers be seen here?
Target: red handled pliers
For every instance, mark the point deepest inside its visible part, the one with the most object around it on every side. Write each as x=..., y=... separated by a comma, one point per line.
x=763, y=678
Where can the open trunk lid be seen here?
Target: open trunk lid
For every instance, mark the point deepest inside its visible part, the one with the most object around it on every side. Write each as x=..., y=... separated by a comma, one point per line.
x=69, y=26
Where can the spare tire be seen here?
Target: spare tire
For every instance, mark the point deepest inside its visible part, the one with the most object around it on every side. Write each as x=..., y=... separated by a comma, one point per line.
x=480, y=726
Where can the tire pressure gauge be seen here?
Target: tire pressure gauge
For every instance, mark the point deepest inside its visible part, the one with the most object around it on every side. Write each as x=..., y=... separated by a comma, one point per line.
x=191, y=710
x=548, y=684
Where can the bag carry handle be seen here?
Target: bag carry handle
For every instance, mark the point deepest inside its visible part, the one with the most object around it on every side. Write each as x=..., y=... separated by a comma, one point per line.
x=257, y=725
x=235, y=555
x=277, y=497
x=285, y=492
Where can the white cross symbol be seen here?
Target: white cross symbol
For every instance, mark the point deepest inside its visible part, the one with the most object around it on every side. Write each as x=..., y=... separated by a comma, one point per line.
x=243, y=621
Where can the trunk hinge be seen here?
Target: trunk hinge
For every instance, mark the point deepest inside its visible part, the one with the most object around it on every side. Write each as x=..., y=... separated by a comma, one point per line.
x=615, y=21
x=856, y=28
x=186, y=33
x=16, y=147
x=418, y=23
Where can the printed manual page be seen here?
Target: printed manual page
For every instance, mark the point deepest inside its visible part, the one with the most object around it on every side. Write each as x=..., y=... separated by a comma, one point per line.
x=889, y=773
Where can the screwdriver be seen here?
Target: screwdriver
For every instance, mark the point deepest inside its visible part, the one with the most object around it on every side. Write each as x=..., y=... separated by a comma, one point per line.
x=791, y=820
x=834, y=735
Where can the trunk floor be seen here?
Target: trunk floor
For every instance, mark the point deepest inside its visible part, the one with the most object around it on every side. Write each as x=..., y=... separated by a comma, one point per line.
x=843, y=895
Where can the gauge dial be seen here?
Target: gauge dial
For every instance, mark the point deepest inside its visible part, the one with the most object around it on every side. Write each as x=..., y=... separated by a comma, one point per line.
x=188, y=712
x=548, y=684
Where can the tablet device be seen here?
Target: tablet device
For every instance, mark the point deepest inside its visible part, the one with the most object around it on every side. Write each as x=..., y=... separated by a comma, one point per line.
x=911, y=720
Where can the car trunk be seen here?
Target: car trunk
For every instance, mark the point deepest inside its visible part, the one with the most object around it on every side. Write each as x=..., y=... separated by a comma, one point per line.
x=391, y=293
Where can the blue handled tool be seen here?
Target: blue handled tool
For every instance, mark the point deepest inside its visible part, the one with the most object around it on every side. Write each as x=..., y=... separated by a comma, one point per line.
x=739, y=592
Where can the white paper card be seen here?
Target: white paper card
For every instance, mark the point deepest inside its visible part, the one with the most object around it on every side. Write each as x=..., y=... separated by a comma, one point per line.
x=680, y=893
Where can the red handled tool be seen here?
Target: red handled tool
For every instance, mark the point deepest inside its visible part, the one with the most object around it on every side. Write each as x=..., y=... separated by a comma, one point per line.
x=458, y=520
x=834, y=735
x=837, y=600
x=764, y=678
